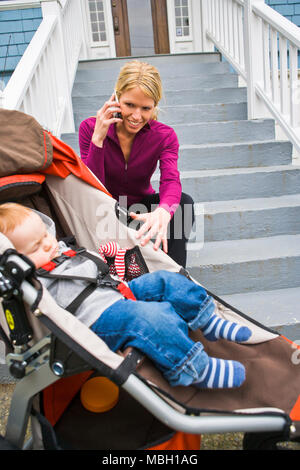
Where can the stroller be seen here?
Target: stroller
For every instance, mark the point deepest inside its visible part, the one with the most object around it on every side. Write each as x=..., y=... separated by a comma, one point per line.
x=52, y=355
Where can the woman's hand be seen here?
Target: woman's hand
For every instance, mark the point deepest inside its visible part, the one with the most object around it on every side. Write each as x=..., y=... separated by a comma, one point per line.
x=105, y=117
x=155, y=223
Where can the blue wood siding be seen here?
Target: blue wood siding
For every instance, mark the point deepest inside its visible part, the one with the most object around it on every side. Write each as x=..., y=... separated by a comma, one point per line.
x=17, y=27
x=288, y=8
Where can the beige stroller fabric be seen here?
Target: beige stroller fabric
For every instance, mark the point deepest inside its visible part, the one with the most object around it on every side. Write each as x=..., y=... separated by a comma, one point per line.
x=91, y=216
x=95, y=222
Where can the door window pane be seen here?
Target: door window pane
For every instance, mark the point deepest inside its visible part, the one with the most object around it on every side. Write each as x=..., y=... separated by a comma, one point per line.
x=182, y=17
x=97, y=20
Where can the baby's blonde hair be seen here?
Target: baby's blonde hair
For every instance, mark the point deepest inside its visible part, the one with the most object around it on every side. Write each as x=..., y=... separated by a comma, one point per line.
x=143, y=75
x=12, y=215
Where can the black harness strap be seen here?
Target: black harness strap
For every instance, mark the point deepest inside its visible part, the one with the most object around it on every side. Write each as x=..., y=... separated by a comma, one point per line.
x=103, y=278
x=45, y=270
x=92, y=280
x=99, y=262
x=75, y=304
x=130, y=362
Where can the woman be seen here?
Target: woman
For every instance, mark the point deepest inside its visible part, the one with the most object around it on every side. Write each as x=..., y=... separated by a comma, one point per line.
x=123, y=150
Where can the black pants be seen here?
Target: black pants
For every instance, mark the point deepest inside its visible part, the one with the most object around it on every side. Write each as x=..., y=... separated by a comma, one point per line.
x=180, y=225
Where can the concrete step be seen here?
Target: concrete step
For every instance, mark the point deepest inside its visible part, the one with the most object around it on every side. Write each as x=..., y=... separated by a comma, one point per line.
x=157, y=60
x=212, y=132
x=90, y=88
x=210, y=157
x=172, y=98
x=233, y=155
x=239, y=183
x=180, y=114
x=203, y=113
x=249, y=218
x=277, y=309
x=225, y=132
x=235, y=266
x=205, y=96
x=71, y=140
x=166, y=70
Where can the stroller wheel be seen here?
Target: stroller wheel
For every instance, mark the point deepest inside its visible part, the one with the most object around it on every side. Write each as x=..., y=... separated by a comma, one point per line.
x=265, y=441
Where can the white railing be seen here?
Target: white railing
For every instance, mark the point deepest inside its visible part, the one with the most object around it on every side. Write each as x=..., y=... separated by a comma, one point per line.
x=42, y=81
x=262, y=46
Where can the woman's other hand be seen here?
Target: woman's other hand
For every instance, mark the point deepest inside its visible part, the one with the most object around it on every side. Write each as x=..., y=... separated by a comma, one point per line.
x=155, y=224
x=104, y=118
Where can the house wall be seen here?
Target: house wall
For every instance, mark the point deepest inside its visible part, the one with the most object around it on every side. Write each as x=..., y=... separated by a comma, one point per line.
x=17, y=27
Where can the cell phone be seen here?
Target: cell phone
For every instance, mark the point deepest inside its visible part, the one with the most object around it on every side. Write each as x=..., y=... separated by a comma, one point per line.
x=117, y=115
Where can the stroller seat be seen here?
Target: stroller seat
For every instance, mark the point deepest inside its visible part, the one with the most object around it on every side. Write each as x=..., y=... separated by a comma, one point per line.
x=54, y=354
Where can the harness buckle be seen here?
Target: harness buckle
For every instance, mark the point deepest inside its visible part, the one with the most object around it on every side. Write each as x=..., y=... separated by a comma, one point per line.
x=68, y=254
x=105, y=280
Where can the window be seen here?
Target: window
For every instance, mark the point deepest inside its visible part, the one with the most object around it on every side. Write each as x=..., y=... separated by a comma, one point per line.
x=182, y=18
x=96, y=9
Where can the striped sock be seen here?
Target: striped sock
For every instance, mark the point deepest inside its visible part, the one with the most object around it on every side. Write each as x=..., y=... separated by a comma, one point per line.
x=221, y=373
x=218, y=328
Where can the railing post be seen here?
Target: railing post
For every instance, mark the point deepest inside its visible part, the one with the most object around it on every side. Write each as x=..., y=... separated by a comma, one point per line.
x=54, y=8
x=207, y=44
x=253, y=49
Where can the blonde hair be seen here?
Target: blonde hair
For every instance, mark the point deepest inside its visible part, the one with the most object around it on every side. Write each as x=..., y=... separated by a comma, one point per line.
x=12, y=215
x=145, y=76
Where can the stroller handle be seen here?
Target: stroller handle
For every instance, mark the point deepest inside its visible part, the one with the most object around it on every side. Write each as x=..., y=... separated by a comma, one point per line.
x=30, y=294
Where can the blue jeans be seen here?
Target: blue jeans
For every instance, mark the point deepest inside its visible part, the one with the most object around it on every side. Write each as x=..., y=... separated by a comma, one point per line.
x=157, y=323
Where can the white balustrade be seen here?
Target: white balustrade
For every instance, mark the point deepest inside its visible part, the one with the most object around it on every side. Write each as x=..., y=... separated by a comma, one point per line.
x=42, y=81
x=263, y=47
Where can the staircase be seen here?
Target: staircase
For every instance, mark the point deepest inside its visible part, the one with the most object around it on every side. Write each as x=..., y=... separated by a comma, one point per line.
x=240, y=177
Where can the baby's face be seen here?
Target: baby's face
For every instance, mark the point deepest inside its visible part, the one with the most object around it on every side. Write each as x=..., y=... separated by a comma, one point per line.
x=32, y=239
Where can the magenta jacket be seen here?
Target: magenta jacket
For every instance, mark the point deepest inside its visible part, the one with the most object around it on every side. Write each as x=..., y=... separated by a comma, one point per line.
x=155, y=142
